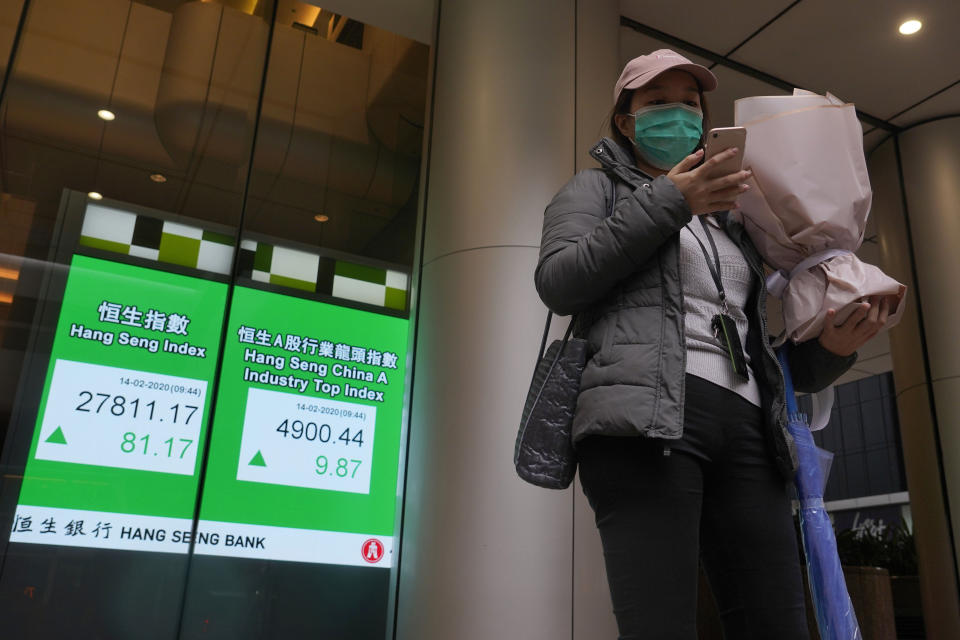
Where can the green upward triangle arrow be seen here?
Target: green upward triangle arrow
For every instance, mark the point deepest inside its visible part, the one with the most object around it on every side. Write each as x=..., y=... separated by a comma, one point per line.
x=257, y=460
x=57, y=437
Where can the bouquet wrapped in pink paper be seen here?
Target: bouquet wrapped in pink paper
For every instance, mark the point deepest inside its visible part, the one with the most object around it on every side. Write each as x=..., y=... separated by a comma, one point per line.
x=807, y=207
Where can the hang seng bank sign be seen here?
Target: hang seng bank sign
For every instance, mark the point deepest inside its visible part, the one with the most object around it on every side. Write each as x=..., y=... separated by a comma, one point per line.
x=304, y=445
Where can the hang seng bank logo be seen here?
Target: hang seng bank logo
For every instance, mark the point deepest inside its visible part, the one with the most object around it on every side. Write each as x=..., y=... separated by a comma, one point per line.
x=372, y=550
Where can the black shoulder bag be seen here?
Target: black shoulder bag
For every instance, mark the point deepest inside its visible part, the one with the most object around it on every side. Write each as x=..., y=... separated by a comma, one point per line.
x=544, y=453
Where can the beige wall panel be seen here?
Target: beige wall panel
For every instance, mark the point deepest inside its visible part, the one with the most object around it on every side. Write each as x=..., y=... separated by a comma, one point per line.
x=947, y=394
x=502, y=140
x=919, y=438
x=484, y=554
x=894, y=250
x=598, y=67
x=937, y=582
x=718, y=26
x=931, y=164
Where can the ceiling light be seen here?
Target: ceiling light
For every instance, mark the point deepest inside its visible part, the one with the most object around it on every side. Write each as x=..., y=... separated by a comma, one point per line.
x=910, y=27
x=321, y=218
x=106, y=114
x=6, y=273
x=95, y=195
x=158, y=177
x=6, y=298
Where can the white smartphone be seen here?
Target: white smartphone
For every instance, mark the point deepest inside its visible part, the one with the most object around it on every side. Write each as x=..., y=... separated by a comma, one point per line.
x=721, y=139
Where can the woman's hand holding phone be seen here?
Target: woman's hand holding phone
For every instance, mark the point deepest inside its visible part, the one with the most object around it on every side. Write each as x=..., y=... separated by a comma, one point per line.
x=704, y=191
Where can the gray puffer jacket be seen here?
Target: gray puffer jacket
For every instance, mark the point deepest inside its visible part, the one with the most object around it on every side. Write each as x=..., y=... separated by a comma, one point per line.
x=620, y=273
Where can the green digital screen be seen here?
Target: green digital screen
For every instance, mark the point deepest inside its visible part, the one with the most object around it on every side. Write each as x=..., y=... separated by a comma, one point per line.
x=122, y=417
x=304, y=448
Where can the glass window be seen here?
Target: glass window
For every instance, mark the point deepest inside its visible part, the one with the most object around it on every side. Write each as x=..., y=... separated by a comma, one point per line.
x=210, y=212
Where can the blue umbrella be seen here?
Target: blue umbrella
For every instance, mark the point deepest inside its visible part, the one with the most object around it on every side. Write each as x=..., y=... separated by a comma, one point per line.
x=828, y=590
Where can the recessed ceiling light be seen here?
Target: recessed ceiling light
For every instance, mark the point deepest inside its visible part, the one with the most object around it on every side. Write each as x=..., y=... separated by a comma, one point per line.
x=321, y=218
x=106, y=114
x=95, y=195
x=910, y=27
x=158, y=177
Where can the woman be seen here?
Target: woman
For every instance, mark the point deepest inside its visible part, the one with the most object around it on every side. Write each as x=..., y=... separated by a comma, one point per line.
x=683, y=452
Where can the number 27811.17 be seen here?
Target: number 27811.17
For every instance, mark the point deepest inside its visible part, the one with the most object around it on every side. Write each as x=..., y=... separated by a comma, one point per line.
x=119, y=406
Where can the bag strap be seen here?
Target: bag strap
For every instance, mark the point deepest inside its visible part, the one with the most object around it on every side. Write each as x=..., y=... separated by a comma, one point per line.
x=566, y=335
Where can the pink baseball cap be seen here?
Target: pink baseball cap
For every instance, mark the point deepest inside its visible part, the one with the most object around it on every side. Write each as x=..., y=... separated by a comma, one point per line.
x=643, y=69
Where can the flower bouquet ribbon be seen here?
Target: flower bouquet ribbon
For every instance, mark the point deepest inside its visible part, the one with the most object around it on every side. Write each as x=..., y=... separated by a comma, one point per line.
x=807, y=207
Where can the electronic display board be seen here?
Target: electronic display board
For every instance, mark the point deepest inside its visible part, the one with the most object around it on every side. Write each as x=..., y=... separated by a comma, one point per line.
x=115, y=454
x=304, y=451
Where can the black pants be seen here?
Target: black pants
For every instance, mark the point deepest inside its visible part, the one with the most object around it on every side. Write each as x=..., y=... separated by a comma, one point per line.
x=717, y=497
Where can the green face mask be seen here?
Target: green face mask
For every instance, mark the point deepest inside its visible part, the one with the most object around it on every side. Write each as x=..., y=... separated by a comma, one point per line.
x=665, y=134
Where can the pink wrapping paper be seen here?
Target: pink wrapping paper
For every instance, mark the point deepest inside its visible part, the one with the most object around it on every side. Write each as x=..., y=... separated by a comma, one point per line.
x=810, y=192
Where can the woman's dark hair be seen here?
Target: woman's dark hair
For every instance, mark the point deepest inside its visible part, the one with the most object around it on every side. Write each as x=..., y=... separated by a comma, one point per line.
x=623, y=106
x=623, y=103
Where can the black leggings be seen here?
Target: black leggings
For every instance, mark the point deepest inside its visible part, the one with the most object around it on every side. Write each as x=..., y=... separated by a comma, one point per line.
x=717, y=497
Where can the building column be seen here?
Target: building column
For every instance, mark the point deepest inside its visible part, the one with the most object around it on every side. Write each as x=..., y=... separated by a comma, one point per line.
x=598, y=67
x=485, y=555
x=918, y=220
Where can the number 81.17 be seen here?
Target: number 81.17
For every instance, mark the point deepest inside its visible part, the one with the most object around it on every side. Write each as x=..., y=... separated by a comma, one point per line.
x=341, y=470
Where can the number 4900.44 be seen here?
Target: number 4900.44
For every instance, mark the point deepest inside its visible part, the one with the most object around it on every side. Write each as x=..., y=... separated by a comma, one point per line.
x=297, y=429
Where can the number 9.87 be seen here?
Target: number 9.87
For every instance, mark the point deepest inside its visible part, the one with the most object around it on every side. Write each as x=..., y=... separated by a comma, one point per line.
x=343, y=467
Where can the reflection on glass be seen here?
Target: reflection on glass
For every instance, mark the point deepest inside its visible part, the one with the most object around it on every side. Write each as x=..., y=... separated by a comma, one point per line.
x=162, y=164
x=111, y=317
x=340, y=136
x=299, y=500
x=302, y=473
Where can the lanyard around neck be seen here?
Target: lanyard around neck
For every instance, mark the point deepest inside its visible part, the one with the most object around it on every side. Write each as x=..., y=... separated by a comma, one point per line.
x=714, y=266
